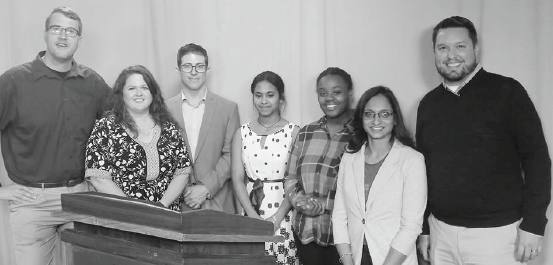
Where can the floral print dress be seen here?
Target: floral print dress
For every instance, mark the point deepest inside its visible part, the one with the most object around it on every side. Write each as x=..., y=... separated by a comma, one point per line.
x=141, y=170
x=268, y=163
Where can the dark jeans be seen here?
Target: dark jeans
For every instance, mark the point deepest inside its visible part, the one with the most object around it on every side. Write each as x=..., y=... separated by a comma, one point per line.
x=314, y=254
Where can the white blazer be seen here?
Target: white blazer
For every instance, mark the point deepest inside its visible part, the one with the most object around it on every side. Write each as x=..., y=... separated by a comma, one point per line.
x=393, y=213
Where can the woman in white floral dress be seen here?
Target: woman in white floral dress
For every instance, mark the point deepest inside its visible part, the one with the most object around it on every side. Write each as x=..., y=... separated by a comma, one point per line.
x=261, y=148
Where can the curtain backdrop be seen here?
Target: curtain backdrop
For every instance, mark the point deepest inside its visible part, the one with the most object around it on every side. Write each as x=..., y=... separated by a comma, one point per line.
x=384, y=42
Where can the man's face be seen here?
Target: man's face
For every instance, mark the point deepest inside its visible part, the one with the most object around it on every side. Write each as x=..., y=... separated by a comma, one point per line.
x=193, y=80
x=454, y=54
x=61, y=47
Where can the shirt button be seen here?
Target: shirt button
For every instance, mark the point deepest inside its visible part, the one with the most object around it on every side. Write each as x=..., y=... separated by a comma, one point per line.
x=363, y=221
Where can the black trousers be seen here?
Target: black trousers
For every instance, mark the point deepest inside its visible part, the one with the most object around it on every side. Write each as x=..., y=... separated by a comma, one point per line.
x=314, y=254
x=366, y=256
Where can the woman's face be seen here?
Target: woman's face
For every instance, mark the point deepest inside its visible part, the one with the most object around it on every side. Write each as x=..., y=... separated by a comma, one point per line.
x=136, y=94
x=266, y=98
x=378, y=118
x=334, y=95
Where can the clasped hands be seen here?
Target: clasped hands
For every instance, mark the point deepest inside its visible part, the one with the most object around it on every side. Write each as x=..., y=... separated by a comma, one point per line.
x=309, y=205
x=195, y=195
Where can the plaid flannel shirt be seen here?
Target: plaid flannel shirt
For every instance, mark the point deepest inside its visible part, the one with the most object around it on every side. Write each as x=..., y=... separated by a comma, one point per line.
x=313, y=169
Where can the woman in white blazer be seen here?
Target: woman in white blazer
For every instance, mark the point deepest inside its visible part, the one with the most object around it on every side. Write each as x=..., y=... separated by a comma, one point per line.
x=381, y=192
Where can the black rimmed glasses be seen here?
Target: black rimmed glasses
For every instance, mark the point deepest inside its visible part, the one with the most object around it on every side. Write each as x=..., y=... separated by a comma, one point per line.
x=57, y=30
x=187, y=68
x=383, y=115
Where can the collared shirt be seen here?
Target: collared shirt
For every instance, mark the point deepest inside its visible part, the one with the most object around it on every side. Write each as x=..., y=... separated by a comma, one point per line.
x=193, y=116
x=458, y=88
x=46, y=120
x=313, y=169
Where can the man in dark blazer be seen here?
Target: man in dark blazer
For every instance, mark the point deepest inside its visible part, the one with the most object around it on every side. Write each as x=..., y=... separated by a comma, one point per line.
x=208, y=122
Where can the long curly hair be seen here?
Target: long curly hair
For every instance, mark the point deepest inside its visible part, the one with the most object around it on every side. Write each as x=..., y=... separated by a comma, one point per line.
x=360, y=137
x=116, y=105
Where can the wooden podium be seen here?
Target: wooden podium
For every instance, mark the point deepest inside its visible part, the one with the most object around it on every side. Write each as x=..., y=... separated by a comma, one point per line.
x=121, y=231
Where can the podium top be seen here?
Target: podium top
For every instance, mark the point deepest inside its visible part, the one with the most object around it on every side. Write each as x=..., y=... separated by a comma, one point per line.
x=143, y=213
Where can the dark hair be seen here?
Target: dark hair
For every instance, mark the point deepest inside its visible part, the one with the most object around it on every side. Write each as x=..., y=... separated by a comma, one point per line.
x=399, y=131
x=158, y=109
x=191, y=48
x=273, y=78
x=67, y=12
x=456, y=22
x=339, y=72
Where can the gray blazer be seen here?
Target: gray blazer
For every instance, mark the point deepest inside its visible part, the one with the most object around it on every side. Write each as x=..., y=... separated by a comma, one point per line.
x=211, y=165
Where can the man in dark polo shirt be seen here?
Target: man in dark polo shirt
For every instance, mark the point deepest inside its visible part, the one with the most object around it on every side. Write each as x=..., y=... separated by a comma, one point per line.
x=47, y=110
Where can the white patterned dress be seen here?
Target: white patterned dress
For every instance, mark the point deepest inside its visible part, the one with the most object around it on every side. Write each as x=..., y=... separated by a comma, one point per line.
x=268, y=163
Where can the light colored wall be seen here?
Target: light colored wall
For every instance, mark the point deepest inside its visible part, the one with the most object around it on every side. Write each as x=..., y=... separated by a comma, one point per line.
x=377, y=42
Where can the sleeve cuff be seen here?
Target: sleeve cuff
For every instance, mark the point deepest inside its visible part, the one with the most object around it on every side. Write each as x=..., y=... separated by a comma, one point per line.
x=534, y=225
x=97, y=173
x=182, y=171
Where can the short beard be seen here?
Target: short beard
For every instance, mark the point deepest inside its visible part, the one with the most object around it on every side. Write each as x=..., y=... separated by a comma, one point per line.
x=454, y=76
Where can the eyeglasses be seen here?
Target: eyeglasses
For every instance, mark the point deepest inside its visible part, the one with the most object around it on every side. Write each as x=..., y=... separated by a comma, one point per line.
x=383, y=115
x=70, y=32
x=187, y=68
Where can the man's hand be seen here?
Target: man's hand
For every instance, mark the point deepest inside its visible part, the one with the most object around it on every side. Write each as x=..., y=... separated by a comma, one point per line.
x=309, y=205
x=423, y=246
x=195, y=195
x=527, y=246
x=17, y=194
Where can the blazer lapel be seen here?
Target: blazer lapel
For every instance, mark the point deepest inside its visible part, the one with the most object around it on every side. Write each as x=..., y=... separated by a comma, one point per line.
x=209, y=111
x=175, y=107
x=386, y=171
x=359, y=175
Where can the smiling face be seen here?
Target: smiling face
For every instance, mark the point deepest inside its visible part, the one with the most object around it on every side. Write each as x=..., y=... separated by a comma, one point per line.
x=136, y=94
x=266, y=99
x=193, y=81
x=455, y=54
x=333, y=95
x=378, y=127
x=61, y=47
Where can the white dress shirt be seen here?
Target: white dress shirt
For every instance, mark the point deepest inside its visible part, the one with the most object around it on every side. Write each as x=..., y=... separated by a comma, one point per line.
x=193, y=116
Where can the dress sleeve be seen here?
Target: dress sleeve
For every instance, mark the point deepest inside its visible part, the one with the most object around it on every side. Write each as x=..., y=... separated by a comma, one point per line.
x=98, y=159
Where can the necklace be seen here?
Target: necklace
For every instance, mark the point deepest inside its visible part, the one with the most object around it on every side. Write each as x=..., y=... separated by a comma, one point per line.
x=267, y=127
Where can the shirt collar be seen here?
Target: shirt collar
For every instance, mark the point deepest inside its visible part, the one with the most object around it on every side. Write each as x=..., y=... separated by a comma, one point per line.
x=467, y=79
x=204, y=97
x=322, y=122
x=39, y=68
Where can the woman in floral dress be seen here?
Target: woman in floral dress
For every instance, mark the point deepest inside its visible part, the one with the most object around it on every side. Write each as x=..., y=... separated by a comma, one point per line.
x=136, y=150
x=260, y=148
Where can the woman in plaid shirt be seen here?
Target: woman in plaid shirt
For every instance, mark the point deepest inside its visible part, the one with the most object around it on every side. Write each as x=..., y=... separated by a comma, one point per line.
x=313, y=167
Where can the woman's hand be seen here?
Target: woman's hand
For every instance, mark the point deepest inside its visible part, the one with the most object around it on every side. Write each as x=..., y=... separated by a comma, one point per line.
x=276, y=222
x=309, y=205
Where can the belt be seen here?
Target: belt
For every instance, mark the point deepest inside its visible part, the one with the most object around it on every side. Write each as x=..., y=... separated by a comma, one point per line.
x=65, y=183
x=267, y=180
